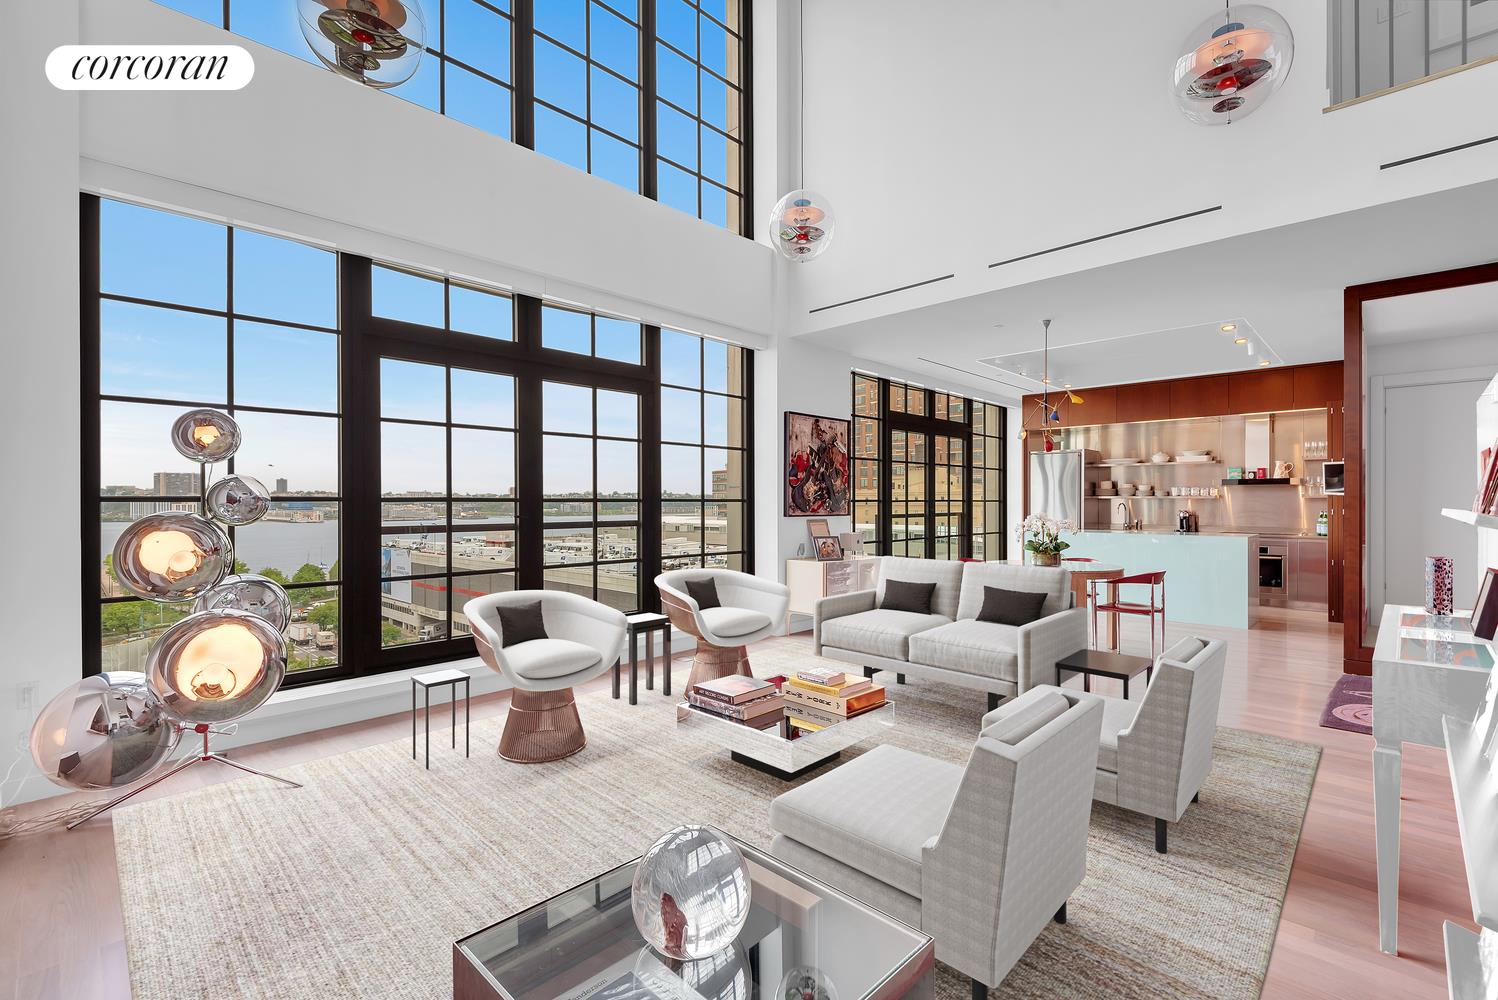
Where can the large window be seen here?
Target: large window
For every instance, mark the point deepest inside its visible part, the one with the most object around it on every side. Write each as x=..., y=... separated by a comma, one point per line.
x=928, y=473
x=704, y=442
x=189, y=313
x=648, y=94
x=1378, y=44
x=495, y=441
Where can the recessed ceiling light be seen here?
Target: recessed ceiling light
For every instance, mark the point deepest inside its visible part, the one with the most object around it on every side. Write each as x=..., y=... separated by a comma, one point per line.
x=1240, y=340
x=1066, y=385
x=1045, y=381
x=1264, y=363
x=1229, y=327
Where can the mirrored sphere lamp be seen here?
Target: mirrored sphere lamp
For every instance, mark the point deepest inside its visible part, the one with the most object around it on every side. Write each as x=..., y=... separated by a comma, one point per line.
x=1231, y=63
x=103, y=731
x=801, y=226
x=171, y=556
x=216, y=666
x=205, y=435
x=238, y=500
x=690, y=895
x=251, y=593
x=378, y=43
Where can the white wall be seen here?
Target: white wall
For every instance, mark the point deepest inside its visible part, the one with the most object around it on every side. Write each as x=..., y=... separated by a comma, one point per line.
x=951, y=135
x=40, y=394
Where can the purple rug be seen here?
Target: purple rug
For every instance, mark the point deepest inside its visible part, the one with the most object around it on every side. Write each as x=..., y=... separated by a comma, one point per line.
x=1350, y=705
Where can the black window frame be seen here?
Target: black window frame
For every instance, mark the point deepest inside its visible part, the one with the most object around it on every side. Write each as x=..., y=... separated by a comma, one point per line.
x=364, y=340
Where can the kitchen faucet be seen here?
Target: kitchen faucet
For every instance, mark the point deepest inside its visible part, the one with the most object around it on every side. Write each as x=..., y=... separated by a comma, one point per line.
x=1130, y=524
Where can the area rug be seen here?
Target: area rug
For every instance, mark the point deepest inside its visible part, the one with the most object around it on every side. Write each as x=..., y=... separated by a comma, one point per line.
x=357, y=884
x=1350, y=705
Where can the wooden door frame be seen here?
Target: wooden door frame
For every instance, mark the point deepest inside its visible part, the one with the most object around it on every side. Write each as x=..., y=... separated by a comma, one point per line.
x=1357, y=658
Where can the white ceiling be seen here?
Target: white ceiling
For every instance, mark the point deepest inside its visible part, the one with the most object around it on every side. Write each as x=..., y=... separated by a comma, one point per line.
x=1451, y=312
x=1287, y=283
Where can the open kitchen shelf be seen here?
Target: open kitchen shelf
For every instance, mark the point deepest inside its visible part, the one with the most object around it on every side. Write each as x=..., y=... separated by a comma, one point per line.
x=1150, y=497
x=1137, y=465
x=1261, y=482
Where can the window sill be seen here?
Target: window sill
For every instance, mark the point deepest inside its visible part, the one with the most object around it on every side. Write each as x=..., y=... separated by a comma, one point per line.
x=1350, y=102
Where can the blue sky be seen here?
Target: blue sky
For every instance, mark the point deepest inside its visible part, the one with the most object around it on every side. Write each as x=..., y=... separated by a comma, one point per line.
x=481, y=38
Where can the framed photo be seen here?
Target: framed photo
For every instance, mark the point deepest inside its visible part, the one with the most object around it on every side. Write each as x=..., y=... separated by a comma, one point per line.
x=818, y=527
x=1485, y=609
x=828, y=549
x=816, y=465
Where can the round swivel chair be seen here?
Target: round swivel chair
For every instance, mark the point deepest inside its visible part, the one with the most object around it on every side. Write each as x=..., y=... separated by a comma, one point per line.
x=584, y=639
x=750, y=609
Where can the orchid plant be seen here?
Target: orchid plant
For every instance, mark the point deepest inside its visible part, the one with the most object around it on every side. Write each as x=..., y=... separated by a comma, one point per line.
x=1042, y=534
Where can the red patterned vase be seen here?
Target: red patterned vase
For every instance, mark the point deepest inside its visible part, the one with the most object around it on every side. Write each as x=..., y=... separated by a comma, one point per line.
x=1438, y=585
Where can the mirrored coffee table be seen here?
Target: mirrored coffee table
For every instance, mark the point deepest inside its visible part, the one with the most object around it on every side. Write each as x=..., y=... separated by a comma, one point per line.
x=583, y=943
x=782, y=745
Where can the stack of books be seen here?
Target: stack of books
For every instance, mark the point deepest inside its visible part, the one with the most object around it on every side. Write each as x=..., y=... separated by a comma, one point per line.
x=743, y=699
x=821, y=696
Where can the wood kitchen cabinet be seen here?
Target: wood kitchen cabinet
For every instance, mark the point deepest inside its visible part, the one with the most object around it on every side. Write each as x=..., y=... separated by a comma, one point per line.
x=1337, y=533
x=1317, y=385
x=1262, y=391
x=1142, y=401
x=1200, y=397
x=1099, y=406
x=1309, y=572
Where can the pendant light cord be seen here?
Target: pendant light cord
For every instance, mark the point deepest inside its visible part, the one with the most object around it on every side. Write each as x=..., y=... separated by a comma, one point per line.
x=801, y=93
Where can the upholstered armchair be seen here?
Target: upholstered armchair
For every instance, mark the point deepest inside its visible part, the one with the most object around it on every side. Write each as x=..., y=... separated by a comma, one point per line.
x=1155, y=754
x=982, y=856
x=750, y=609
x=583, y=639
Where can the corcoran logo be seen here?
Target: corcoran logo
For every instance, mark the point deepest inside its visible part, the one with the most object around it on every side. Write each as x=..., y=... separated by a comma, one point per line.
x=149, y=67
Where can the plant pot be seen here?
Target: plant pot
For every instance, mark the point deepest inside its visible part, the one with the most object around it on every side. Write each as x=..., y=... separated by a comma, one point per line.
x=1045, y=559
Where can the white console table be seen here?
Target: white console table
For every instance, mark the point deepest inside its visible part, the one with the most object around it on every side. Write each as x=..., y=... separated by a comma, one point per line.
x=810, y=581
x=1421, y=674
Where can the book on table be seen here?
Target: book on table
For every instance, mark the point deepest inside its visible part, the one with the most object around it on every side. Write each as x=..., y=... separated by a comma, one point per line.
x=743, y=711
x=809, y=719
x=796, y=697
x=844, y=689
x=734, y=690
x=829, y=676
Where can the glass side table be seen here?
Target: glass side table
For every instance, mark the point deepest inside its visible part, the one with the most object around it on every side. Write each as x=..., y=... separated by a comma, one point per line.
x=583, y=943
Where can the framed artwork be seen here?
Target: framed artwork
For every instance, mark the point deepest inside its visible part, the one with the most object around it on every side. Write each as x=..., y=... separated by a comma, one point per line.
x=816, y=465
x=828, y=549
x=818, y=527
x=1485, y=609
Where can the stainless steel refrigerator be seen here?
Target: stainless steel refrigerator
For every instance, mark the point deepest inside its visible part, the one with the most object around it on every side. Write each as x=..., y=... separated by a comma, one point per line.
x=1058, y=484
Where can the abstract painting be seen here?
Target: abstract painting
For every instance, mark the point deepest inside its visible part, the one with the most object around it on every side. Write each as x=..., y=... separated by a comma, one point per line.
x=816, y=465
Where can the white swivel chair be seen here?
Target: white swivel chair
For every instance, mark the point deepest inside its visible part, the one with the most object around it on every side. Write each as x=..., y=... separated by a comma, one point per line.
x=750, y=610
x=584, y=639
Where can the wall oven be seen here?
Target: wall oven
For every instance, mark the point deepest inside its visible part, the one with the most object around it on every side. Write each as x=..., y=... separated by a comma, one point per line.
x=1274, y=574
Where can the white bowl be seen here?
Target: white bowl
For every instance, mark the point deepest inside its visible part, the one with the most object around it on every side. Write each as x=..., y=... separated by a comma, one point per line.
x=1195, y=451
x=1126, y=490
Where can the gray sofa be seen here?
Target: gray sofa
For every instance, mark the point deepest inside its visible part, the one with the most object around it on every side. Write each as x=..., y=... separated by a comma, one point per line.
x=950, y=644
x=982, y=856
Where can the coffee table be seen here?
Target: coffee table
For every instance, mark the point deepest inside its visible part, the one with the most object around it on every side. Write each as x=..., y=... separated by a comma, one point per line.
x=584, y=943
x=1092, y=663
x=782, y=747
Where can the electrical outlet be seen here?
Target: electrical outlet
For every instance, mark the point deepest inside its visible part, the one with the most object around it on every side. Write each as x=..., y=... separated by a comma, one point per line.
x=26, y=696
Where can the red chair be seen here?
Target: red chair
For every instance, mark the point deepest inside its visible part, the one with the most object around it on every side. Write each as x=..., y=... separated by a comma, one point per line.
x=1116, y=606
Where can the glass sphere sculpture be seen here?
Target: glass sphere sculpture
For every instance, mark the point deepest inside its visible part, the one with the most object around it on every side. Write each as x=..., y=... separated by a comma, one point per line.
x=691, y=893
x=238, y=500
x=1231, y=63
x=104, y=731
x=806, y=982
x=801, y=225
x=205, y=435
x=723, y=975
x=218, y=665
x=378, y=43
x=171, y=556
x=251, y=593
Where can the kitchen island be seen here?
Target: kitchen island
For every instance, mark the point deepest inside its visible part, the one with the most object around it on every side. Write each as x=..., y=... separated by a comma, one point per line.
x=1211, y=578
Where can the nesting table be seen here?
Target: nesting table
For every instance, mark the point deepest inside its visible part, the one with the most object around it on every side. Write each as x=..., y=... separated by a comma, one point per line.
x=648, y=624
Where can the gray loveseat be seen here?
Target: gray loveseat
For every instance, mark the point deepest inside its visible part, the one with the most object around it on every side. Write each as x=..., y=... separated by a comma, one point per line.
x=950, y=644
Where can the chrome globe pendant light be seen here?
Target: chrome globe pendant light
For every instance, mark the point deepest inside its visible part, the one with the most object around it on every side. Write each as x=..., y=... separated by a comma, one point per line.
x=801, y=225
x=1231, y=63
x=216, y=665
x=378, y=43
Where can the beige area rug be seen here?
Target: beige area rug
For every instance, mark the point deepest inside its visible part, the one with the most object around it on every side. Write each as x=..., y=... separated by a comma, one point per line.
x=357, y=884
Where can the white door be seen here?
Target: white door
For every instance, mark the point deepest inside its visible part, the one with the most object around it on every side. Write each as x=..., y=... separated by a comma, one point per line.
x=1429, y=462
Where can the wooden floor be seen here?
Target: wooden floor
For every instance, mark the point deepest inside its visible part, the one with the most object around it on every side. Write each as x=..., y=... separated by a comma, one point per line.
x=61, y=934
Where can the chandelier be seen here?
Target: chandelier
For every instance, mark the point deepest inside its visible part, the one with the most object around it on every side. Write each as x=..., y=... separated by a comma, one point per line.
x=1231, y=63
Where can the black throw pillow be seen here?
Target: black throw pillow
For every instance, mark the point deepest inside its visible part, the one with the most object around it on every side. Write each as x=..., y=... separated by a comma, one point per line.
x=1010, y=607
x=705, y=593
x=520, y=623
x=901, y=595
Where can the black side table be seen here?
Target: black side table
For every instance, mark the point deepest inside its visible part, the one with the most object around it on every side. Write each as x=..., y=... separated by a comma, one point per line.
x=438, y=678
x=648, y=624
x=1092, y=663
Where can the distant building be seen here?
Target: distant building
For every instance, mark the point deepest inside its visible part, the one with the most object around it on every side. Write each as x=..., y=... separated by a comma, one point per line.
x=140, y=508
x=281, y=485
x=174, y=484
